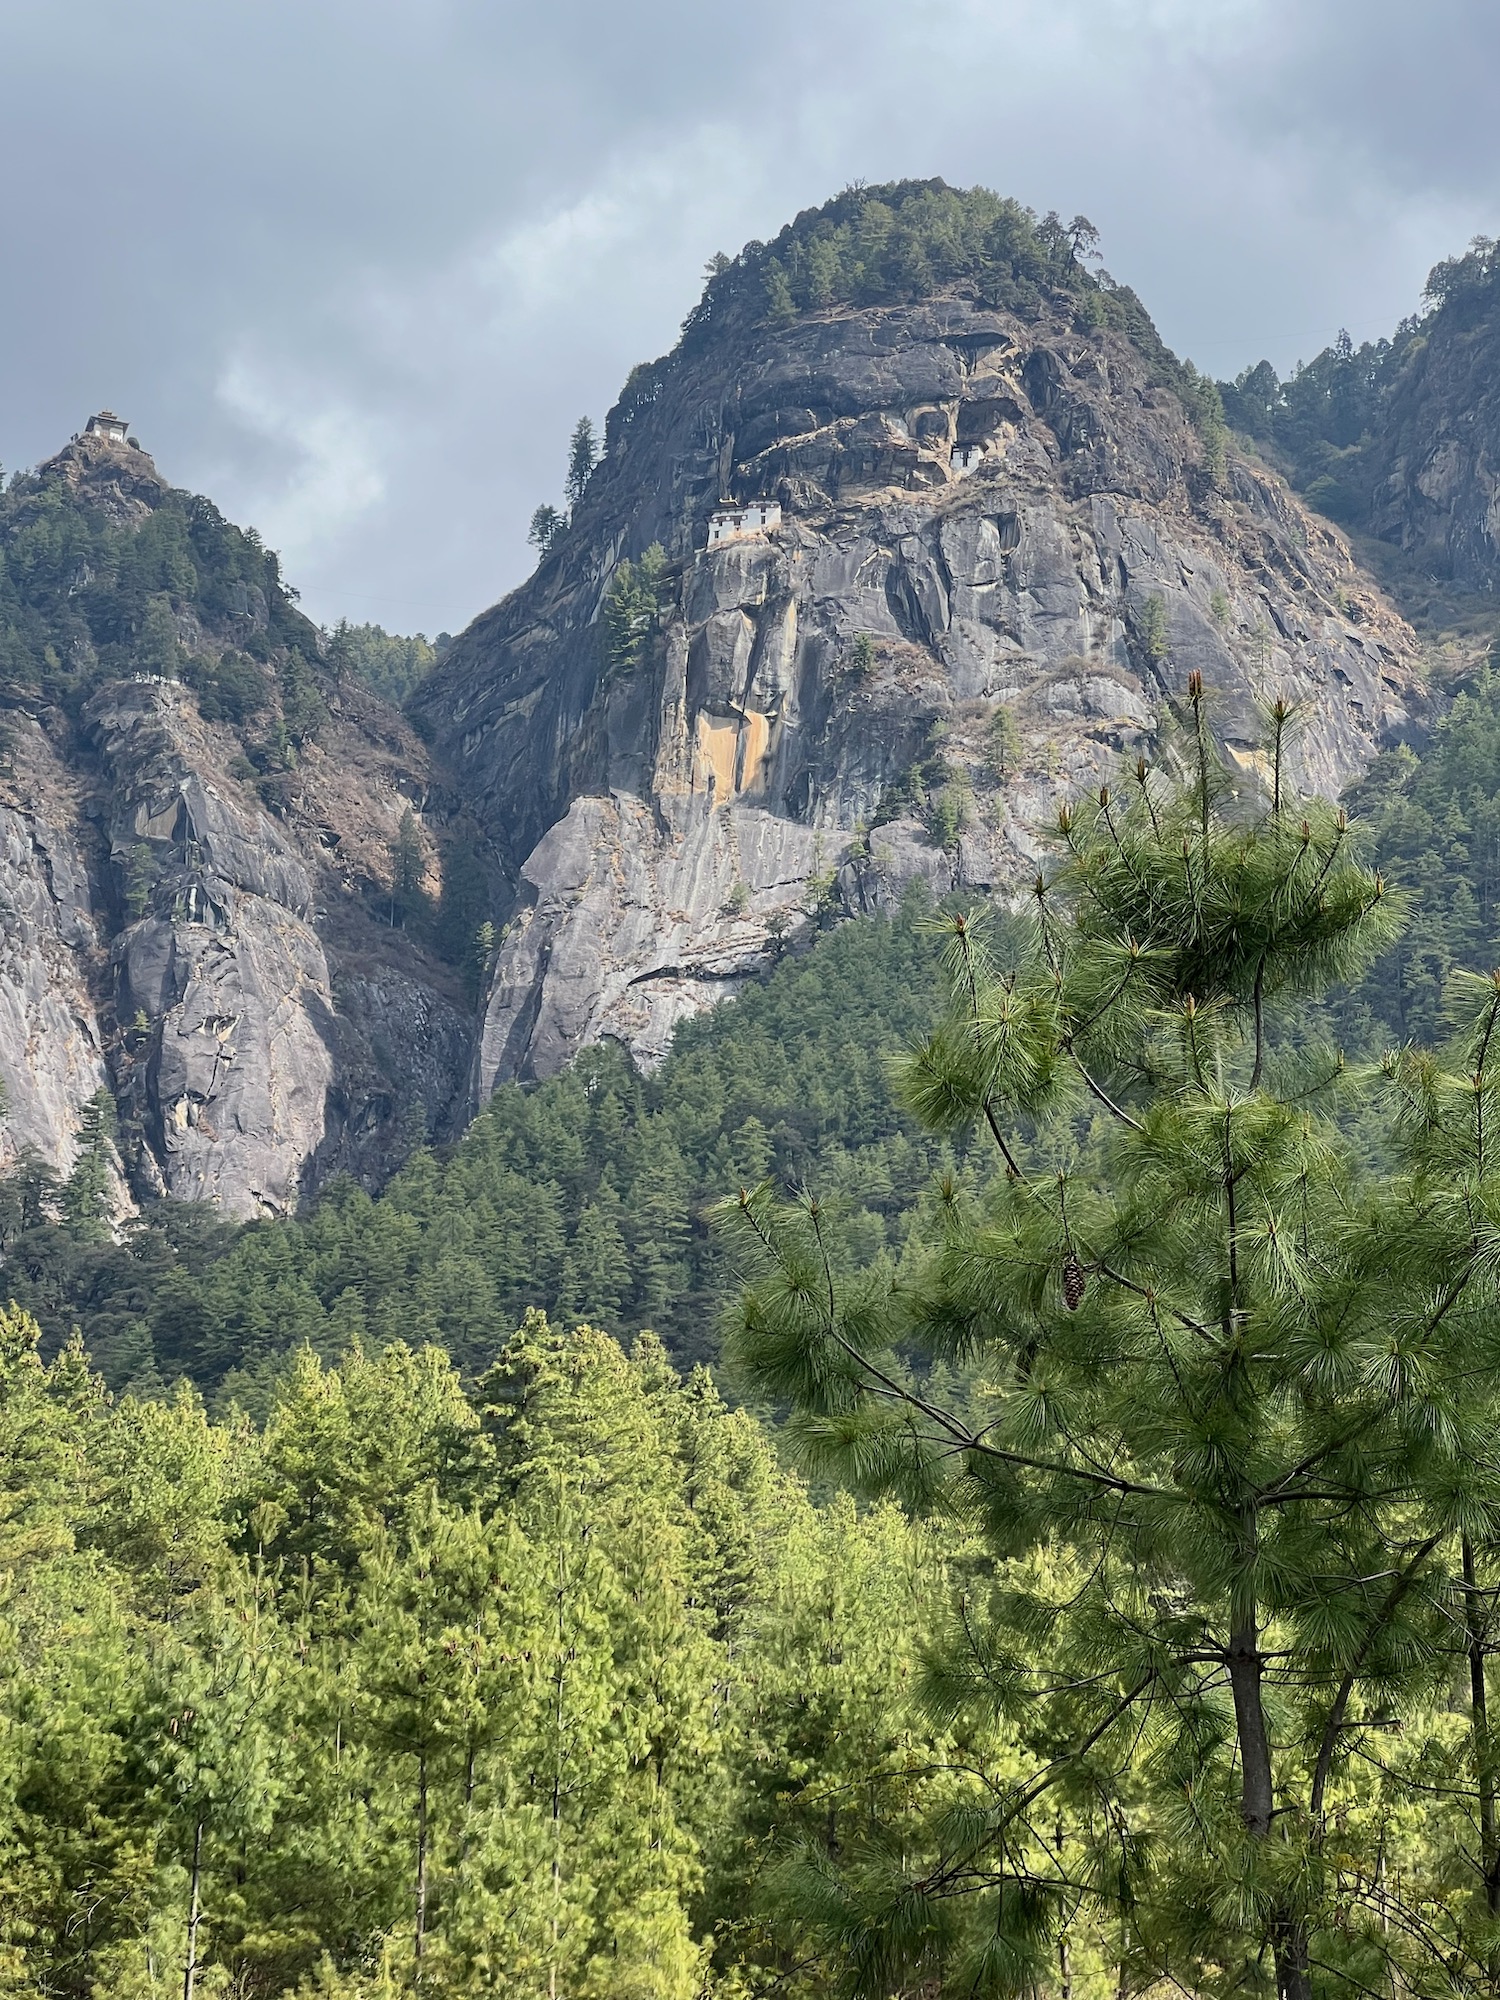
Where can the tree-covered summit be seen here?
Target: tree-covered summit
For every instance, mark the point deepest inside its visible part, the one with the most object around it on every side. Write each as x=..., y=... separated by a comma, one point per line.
x=106, y=570
x=903, y=241
x=95, y=583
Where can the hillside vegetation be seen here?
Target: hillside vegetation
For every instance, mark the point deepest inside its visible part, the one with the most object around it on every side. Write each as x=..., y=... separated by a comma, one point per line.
x=585, y=1196
x=419, y=1689
x=907, y=240
x=977, y=1479
x=542, y=1670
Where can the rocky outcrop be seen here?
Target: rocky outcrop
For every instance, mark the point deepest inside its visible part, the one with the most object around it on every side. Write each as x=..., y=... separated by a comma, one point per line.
x=1002, y=549
x=199, y=914
x=1434, y=466
x=254, y=1059
x=51, y=1046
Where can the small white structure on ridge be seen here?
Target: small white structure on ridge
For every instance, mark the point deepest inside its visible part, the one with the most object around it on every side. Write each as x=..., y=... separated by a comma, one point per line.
x=107, y=425
x=756, y=517
x=966, y=457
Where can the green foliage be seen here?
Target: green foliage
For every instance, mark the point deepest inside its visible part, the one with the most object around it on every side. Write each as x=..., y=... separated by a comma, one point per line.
x=547, y=523
x=464, y=905
x=231, y=688
x=408, y=870
x=303, y=709
x=84, y=597
x=1320, y=422
x=1205, y=406
x=1235, y=1468
x=1003, y=744
x=481, y=958
x=391, y=665
x=909, y=239
x=1151, y=631
x=632, y=610
x=138, y=878
x=88, y=1192
x=1433, y=823
x=874, y=245
x=531, y=1207
x=583, y=456
x=412, y=1690
x=948, y=812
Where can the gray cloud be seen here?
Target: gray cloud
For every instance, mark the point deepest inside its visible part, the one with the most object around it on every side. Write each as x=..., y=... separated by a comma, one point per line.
x=355, y=269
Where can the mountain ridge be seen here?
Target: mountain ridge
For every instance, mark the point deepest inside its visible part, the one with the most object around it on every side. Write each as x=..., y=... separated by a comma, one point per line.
x=1011, y=525
x=190, y=917
x=983, y=508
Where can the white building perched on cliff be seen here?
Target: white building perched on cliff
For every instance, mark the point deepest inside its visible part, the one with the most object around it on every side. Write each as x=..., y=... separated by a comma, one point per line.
x=107, y=425
x=756, y=517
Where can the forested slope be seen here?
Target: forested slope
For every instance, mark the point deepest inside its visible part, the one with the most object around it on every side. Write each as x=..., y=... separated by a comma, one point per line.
x=421, y=1690
x=585, y=1195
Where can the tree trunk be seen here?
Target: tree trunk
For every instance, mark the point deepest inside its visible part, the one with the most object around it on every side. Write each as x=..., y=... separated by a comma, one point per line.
x=1257, y=1803
x=421, y=1923
x=1064, y=1964
x=1257, y=1798
x=1489, y=1833
x=190, y=1970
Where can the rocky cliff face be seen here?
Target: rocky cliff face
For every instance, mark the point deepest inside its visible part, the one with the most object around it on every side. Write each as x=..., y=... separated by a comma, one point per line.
x=1434, y=466
x=1002, y=548
x=191, y=905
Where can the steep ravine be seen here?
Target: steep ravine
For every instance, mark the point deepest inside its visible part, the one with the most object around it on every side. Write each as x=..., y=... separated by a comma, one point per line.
x=980, y=513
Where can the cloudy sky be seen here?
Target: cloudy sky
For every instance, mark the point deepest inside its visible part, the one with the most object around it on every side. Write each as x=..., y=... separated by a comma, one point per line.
x=354, y=267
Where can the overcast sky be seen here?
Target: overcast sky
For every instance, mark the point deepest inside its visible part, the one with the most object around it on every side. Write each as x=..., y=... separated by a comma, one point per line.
x=354, y=267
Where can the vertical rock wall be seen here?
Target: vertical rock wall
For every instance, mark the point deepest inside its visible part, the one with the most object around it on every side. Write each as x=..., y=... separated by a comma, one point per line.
x=981, y=517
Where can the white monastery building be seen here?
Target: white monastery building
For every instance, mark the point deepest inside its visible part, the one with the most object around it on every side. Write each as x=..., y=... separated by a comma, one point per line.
x=966, y=457
x=107, y=425
x=756, y=517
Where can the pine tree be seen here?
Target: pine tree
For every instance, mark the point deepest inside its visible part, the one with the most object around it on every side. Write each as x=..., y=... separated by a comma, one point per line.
x=408, y=868
x=597, y=1274
x=632, y=608
x=627, y=1669
x=546, y=526
x=208, y=1751
x=583, y=456
x=90, y=1186
x=443, y=1678
x=1239, y=1426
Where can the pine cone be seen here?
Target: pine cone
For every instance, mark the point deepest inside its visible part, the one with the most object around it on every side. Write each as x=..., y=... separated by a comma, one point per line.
x=1074, y=1283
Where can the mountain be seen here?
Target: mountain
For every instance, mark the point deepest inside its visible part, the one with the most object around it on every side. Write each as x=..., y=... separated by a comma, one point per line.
x=201, y=817
x=916, y=531
x=1399, y=439
x=1008, y=526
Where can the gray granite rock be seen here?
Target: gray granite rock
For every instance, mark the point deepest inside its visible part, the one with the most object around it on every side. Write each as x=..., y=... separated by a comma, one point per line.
x=51, y=1048
x=751, y=767
x=259, y=1065
x=231, y=971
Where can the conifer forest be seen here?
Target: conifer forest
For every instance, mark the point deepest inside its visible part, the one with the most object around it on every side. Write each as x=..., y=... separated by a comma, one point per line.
x=967, y=1470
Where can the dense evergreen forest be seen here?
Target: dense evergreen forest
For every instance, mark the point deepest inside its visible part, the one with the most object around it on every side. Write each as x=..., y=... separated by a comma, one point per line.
x=457, y=1647
x=424, y=1688
x=586, y=1196
x=1323, y=424
x=85, y=596
x=90, y=590
x=978, y=1477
